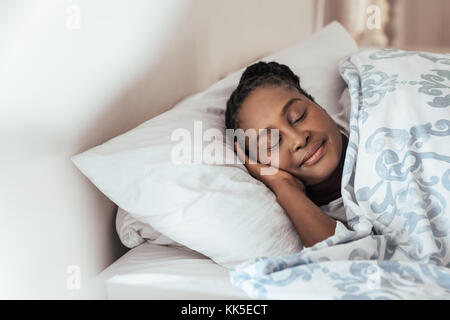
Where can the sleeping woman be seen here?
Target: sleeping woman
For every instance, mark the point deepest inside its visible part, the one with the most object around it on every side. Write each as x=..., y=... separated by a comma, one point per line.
x=311, y=147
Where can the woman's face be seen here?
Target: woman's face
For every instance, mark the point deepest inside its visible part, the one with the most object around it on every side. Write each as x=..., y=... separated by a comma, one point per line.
x=302, y=126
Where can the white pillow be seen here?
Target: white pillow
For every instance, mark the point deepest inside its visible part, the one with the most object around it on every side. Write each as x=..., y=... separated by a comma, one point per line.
x=133, y=232
x=218, y=210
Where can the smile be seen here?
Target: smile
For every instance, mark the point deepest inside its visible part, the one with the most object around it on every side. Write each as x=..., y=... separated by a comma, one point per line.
x=315, y=157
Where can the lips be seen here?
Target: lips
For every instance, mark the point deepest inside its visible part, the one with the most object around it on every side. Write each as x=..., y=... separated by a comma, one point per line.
x=311, y=152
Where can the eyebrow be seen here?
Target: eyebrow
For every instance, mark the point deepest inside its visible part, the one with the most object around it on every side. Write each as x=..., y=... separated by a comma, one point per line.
x=282, y=113
x=287, y=105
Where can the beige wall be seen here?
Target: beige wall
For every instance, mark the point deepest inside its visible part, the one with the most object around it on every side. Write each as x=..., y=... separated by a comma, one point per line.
x=424, y=22
x=415, y=24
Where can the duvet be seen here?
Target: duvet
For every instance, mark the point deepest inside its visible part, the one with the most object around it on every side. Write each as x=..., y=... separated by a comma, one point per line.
x=395, y=188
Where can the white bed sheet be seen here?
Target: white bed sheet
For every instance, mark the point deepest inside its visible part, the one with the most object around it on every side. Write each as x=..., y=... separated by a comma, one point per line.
x=151, y=271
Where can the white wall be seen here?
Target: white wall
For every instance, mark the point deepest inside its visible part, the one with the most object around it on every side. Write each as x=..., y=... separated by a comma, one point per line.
x=65, y=89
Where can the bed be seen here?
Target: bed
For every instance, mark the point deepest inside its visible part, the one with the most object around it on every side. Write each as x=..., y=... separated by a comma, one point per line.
x=75, y=92
x=225, y=230
x=159, y=272
x=393, y=242
x=188, y=224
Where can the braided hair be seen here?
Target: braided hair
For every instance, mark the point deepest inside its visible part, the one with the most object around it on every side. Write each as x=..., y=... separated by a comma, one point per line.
x=260, y=74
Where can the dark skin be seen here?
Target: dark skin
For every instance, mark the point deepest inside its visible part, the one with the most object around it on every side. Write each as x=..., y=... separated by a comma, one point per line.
x=300, y=188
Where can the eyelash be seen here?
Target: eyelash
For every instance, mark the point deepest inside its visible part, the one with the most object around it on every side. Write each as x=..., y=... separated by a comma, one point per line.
x=299, y=119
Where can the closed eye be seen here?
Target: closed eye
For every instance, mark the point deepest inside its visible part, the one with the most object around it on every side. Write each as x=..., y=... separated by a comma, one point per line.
x=298, y=120
x=301, y=118
x=279, y=141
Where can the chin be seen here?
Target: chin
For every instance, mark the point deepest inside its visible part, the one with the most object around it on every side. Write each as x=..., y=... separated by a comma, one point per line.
x=321, y=175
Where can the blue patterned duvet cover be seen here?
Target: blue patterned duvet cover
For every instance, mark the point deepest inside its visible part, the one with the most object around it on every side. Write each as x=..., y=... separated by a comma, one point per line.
x=395, y=188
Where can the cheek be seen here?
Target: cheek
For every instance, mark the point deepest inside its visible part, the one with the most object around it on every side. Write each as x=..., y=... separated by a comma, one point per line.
x=334, y=150
x=336, y=142
x=281, y=159
x=285, y=159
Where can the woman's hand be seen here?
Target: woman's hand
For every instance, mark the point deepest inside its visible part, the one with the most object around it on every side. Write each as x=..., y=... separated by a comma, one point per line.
x=272, y=181
x=312, y=224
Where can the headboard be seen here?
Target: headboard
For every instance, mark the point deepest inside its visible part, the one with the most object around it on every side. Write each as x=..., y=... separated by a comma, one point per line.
x=77, y=73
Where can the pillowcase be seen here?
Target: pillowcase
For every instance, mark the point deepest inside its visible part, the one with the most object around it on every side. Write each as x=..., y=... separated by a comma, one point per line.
x=216, y=209
x=133, y=232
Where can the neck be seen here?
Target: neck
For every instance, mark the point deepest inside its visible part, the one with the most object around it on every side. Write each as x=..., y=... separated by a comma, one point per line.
x=329, y=189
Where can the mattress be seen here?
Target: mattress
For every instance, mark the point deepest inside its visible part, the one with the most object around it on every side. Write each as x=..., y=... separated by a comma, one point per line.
x=151, y=271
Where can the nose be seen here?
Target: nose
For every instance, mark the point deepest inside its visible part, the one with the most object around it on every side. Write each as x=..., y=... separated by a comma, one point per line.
x=299, y=141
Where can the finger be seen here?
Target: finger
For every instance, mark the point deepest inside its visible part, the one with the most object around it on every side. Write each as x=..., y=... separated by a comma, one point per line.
x=242, y=156
x=252, y=166
x=248, y=160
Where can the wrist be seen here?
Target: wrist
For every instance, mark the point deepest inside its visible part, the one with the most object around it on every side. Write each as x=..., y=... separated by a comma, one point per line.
x=280, y=186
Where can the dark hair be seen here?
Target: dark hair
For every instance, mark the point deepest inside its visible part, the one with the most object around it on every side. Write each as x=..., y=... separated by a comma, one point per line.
x=260, y=74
